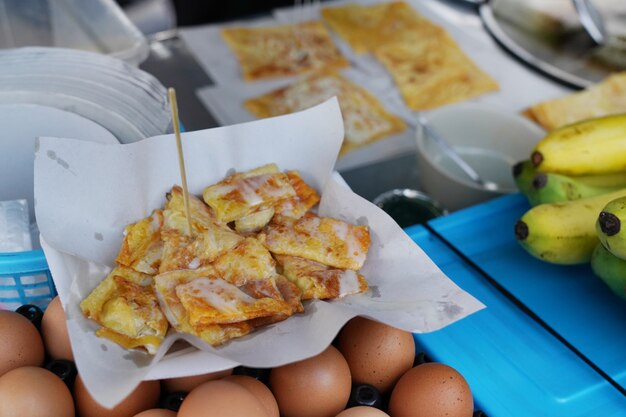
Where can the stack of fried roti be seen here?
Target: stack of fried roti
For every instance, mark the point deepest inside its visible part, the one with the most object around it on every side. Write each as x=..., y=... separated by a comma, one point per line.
x=255, y=250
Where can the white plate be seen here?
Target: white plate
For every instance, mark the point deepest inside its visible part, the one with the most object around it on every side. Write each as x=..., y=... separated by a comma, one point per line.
x=21, y=125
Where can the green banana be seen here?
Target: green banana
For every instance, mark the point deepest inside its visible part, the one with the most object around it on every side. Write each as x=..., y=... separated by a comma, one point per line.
x=609, y=227
x=610, y=269
x=523, y=174
x=563, y=233
x=549, y=187
x=592, y=146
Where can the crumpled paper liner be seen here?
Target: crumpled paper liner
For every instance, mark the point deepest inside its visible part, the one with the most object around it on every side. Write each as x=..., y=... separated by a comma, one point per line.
x=86, y=193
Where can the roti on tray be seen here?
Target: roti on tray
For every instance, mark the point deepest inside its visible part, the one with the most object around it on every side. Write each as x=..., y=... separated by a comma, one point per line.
x=602, y=99
x=434, y=71
x=283, y=50
x=365, y=118
x=365, y=28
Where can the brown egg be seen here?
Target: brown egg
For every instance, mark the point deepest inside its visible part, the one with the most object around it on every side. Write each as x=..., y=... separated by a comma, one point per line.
x=20, y=342
x=221, y=399
x=188, y=383
x=314, y=387
x=431, y=390
x=260, y=390
x=376, y=353
x=54, y=332
x=362, y=411
x=144, y=397
x=156, y=412
x=31, y=391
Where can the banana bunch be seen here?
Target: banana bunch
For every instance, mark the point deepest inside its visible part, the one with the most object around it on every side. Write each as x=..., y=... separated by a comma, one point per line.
x=563, y=233
x=575, y=181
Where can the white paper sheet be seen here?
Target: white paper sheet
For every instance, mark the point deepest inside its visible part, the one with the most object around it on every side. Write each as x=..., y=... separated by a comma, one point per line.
x=84, y=203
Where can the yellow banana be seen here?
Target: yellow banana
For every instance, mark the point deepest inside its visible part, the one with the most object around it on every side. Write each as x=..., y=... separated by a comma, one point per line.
x=613, y=179
x=563, y=233
x=593, y=146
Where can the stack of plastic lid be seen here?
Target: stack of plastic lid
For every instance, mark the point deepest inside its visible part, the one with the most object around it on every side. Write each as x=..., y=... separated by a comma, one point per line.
x=47, y=91
x=125, y=100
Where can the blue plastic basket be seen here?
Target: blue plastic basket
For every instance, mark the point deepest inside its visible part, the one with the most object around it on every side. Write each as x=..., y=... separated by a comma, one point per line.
x=25, y=279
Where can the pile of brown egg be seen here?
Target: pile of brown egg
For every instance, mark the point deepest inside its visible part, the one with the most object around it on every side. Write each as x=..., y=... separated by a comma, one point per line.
x=370, y=370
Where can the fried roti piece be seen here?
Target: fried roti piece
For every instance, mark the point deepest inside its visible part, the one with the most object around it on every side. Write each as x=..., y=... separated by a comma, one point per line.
x=126, y=307
x=175, y=217
x=209, y=238
x=216, y=301
x=165, y=287
x=191, y=252
x=142, y=247
x=288, y=291
x=291, y=294
x=325, y=240
x=177, y=315
x=254, y=222
x=365, y=28
x=201, y=303
x=249, y=260
x=252, y=268
x=365, y=118
x=305, y=199
x=242, y=194
x=603, y=99
x=320, y=281
x=217, y=334
x=286, y=50
x=433, y=71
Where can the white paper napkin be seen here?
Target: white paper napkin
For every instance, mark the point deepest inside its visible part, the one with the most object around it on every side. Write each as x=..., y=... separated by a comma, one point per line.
x=84, y=203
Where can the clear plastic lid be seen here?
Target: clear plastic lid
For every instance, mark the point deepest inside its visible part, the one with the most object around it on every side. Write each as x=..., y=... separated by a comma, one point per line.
x=94, y=25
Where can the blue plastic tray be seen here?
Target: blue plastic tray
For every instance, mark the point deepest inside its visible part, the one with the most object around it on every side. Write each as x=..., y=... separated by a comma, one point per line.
x=552, y=340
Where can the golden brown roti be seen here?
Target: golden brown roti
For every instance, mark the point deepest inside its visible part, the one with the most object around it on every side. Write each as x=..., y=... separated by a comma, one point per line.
x=365, y=28
x=364, y=117
x=433, y=71
x=285, y=50
x=603, y=99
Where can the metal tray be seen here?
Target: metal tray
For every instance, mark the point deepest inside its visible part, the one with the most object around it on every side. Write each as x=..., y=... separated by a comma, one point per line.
x=572, y=60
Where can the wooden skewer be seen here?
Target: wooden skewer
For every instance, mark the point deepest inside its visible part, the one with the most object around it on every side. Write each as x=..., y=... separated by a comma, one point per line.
x=181, y=159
